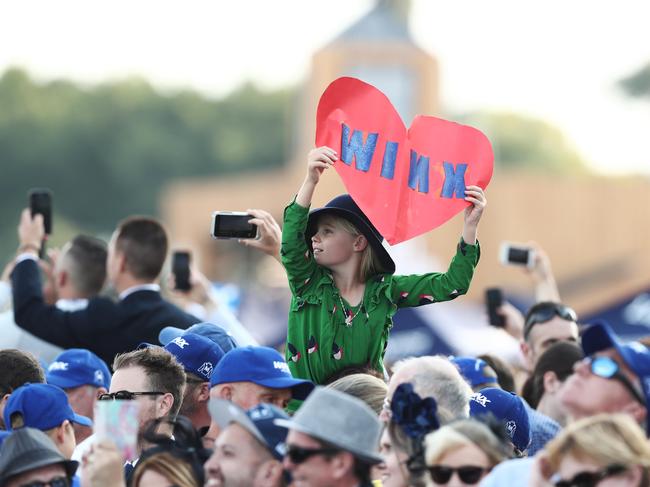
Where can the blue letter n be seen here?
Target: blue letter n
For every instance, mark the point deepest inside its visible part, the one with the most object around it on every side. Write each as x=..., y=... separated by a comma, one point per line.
x=419, y=173
x=354, y=147
x=454, y=180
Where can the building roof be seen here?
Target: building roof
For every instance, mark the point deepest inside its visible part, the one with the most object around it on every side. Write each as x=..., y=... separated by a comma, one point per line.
x=386, y=22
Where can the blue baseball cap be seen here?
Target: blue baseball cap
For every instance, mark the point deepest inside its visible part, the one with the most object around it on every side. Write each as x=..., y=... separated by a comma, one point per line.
x=214, y=332
x=42, y=406
x=636, y=356
x=476, y=371
x=197, y=354
x=506, y=407
x=78, y=367
x=258, y=421
x=261, y=365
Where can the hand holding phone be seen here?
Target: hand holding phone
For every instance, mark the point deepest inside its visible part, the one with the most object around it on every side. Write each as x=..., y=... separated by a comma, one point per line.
x=493, y=301
x=516, y=254
x=232, y=225
x=181, y=270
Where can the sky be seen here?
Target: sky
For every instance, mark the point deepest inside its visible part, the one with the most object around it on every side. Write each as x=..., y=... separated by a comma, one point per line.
x=556, y=60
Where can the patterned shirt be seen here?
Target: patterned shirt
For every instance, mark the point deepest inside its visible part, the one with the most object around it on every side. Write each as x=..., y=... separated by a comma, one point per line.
x=326, y=334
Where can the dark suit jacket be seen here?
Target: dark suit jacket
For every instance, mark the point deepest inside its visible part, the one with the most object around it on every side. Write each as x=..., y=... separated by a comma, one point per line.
x=104, y=327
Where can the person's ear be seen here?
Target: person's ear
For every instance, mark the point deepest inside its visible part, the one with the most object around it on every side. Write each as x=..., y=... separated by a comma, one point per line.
x=636, y=410
x=342, y=464
x=269, y=474
x=551, y=382
x=360, y=243
x=166, y=404
x=203, y=392
x=527, y=352
x=226, y=392
x=100, y=391
x=62, y=278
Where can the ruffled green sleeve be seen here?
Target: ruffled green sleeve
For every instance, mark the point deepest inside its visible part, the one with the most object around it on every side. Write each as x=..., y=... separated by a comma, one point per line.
x=297, y=260
x=417, y=290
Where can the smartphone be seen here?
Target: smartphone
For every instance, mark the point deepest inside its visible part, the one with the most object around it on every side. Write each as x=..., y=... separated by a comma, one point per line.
x=40, y=202
x=232, y=224
x=514, y=254
x=181, y=270
x=493, y=300
x=118, y=421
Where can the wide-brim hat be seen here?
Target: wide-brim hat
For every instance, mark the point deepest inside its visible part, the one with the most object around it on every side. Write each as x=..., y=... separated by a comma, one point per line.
x=340, y=420
x=344, y=206
x=27, y=449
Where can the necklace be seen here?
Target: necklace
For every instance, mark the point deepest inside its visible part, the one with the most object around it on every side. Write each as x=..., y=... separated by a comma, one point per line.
x=349, y=317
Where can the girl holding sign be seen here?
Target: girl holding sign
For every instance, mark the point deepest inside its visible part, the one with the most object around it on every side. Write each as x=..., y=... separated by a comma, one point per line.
x=342, y=279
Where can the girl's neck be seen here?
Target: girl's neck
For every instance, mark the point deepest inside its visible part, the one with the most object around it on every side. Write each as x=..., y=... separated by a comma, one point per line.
x=350, y=287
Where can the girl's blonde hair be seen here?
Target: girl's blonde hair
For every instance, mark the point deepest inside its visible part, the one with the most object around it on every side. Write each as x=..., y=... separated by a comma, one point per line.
x=366, y=387
x=605, y=439
x=370, y=263
x=177, y=471
x=466, y=432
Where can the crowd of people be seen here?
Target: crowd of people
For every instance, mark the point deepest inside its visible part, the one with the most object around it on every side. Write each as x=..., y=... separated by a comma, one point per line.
x=129, y=389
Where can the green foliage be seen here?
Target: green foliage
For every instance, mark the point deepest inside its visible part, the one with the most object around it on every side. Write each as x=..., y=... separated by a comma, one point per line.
x=638, y=84
x=525, y=143
x=107, y=151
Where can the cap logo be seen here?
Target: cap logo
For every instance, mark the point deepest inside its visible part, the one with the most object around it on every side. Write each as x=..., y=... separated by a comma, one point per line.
x=281, y=366
x=181, y=342
x=206, y=369
x=58, y=366
x=260, y=412
x=99, y=376
x=511, y=427
x=481, y=399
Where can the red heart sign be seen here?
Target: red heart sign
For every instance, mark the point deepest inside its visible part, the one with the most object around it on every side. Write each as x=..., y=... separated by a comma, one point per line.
x=406, y=182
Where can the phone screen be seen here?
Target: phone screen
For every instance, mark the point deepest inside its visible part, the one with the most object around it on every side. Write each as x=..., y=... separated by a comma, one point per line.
x=233, y=226
x=493, y=300
x=40, y=202
x=518, y=255
x=181, y=270
x=118, y=421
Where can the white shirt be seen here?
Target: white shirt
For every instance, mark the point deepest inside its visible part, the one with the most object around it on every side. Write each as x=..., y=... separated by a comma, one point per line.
x=140, y=287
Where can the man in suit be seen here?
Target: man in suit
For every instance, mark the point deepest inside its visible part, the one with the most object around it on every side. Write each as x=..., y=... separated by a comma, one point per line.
x=136, y=254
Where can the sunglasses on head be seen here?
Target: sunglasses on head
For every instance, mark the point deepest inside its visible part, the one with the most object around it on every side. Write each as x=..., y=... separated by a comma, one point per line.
x=55, y=482
x=299, y=455
x=591, y=479
x=608, y=368
x=547, y=313
x=126, y=395
x=469, y=474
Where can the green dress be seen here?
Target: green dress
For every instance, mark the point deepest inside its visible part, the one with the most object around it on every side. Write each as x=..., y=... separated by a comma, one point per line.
x=325, y=334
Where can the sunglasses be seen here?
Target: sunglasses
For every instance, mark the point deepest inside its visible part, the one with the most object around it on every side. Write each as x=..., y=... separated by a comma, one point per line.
x=547, y=313
x=591, y=479
x=126, y=395
x=55, y=482
x=608, y=368
x=299, y=455
x=468, y=474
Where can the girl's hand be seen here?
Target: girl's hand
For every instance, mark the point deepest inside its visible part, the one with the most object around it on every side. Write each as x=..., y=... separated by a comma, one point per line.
x=318, y=160
x=474, y=195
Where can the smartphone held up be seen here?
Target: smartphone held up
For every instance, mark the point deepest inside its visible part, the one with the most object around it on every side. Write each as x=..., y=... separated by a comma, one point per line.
x=493, y=301
x=233, y=225
x=181, y=270
x=40, y=203
x=516, y=254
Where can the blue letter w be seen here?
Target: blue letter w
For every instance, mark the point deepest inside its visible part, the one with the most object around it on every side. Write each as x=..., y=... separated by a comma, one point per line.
x=454, y=180
x=354, y=147
x=419, y=173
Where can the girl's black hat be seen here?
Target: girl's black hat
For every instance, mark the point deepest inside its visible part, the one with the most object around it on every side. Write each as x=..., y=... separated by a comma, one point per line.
x=344, y=206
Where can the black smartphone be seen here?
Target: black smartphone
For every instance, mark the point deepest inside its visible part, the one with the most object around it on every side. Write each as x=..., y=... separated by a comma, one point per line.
x=232, y=224
x=181, y=270
x=514, y=254
x=40, y=202
x=493, y=300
